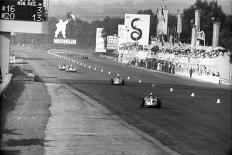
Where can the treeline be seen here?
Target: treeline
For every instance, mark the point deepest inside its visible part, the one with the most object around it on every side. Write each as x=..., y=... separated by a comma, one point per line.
x=85, y=32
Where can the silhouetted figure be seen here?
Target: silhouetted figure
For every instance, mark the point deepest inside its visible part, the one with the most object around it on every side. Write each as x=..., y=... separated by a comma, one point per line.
x=191, y=72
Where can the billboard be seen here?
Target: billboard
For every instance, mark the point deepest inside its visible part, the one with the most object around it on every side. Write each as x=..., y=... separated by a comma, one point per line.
x=100, y=43
x=138, y=27
x=61, y=36
x=112, y=42
x=122, y=34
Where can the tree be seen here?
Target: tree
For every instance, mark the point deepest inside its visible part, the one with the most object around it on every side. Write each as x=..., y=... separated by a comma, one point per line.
x=210, y=12
x=110, y=25
x=226, y=33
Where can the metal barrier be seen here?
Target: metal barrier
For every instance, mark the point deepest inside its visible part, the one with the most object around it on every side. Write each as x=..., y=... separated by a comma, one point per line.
x=5, y=83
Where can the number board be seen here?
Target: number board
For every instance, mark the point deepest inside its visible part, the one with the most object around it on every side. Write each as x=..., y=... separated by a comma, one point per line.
x=23, y=10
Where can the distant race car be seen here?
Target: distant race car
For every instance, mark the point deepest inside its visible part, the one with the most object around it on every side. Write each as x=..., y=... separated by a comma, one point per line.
x=70, y=69
x=84, y=57
x=117, y=81
x=62, y=67
x=150, y=101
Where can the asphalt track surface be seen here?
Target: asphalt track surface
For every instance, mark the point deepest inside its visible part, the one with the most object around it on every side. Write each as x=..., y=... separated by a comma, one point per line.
x=188, y=125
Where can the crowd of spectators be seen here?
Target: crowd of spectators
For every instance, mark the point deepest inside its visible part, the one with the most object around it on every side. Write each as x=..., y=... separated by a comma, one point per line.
x=155, y=64
x=194, y=53
x=176, y=59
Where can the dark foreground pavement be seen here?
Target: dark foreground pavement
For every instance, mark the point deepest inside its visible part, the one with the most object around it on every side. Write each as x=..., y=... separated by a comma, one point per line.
x=24, y=114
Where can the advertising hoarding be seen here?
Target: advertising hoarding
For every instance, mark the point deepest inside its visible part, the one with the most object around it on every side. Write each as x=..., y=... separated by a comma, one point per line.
x=112, y=42
x=138, y=27
x=100, y=44
x=122, y=34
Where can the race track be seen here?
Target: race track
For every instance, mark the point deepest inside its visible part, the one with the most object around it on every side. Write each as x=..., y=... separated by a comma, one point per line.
x=187, y=124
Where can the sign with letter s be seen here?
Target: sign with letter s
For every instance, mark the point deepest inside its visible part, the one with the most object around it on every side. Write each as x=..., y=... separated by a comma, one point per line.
x=138, y=26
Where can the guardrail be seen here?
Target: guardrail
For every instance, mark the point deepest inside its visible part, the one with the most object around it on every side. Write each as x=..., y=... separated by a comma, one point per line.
x=225, y=82
x=5, y=83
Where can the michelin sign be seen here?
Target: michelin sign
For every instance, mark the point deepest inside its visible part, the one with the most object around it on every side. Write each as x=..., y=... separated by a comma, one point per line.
x=60, y=33
x=138, y=27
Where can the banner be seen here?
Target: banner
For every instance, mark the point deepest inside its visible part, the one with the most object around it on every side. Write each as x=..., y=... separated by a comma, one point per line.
x=162, y=19
x=179, y=23
x=197, y=19
x=100, y=44
x=216, y=30
x=112, y=42
x=138, y=27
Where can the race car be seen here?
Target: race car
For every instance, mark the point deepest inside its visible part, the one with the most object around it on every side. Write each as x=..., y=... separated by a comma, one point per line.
x=70, y=69
x=62, y=67
x=150, y=101
x=117, y=81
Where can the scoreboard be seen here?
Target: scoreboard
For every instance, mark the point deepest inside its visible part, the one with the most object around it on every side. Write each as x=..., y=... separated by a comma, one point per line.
x=23, y=10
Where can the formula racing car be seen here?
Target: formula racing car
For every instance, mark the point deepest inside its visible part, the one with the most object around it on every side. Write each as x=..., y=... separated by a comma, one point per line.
x=150, y=101
x=62, y=67
x=84, y=57
x=70, y=69
x=117, y=81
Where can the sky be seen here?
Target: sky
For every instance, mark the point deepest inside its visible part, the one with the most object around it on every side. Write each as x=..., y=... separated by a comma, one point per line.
x=172, y=5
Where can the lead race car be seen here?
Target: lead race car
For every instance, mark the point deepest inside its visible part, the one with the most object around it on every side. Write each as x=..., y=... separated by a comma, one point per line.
x=117, y=81
x=84, y=57
x=62, y=67
x=70, y=69
x=150, y=101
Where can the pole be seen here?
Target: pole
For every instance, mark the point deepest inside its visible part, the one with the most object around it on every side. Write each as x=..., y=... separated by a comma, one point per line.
x=5, y=38
x=216, y=29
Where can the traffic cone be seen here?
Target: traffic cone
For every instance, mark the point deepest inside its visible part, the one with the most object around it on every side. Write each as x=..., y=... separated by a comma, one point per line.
x=109, y=73
x=192, y=95
x=140, y=81
x=171, y=89
x=218, y=101
x=128, y=78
